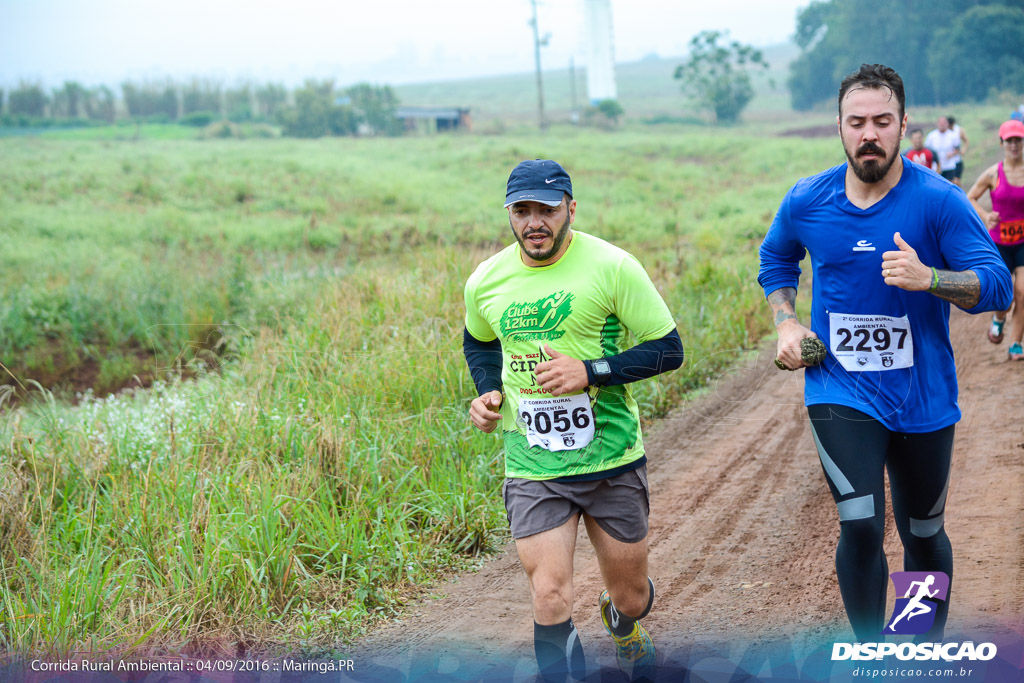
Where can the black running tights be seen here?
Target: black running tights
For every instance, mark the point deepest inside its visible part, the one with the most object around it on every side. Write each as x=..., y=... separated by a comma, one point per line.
x=854, y=448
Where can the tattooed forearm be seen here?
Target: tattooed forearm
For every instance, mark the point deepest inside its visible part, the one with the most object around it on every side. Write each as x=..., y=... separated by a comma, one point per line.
x=783, y=303
x=781, y=315
x=962, y=288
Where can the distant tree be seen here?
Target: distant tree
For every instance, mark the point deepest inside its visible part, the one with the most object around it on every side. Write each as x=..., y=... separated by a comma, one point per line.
x=76, y=93
x=808, y=82
x=985, y=40
x=151, y=100
x=605, y=114
x=342, y=121
x=133, y=100
x=270, y=99
x=718, y=74
x=313, y=115
x=99, y=104
x=320, y=110
x=166, y=100
x=201, y=95
x=58, y=104
x=28, y=99
x=238, y=103
x=374, y=105
x=68, y=100
x=837, y=36
x=611, y=109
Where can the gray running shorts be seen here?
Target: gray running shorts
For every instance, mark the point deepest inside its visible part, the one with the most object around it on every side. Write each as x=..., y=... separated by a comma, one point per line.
x=620, y=505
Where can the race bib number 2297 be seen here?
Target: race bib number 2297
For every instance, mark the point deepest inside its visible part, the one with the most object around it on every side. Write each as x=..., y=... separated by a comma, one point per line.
x=871, y=342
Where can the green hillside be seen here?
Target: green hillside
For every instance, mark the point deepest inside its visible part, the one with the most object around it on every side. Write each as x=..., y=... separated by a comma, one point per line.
x=646, y=89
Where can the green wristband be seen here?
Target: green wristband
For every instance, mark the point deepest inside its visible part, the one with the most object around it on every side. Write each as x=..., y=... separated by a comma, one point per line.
x=935, y=280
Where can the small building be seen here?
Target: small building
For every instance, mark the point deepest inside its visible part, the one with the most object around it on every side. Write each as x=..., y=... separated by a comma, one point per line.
x=434, y=119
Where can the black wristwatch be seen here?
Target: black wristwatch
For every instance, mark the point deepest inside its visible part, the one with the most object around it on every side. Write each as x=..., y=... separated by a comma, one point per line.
x=602, y=370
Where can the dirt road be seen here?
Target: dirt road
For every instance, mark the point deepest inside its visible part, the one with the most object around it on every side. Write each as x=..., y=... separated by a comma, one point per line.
x=743, y=532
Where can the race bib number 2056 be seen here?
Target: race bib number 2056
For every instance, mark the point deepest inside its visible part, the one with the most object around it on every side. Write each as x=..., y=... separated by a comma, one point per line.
x=562, y=423
x=871, y=342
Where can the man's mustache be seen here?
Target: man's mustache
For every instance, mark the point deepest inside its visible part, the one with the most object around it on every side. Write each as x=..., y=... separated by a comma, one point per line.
x=870, y=148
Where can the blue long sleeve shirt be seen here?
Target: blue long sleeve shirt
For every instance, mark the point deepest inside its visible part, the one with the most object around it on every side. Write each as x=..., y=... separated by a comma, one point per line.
x=895, y=361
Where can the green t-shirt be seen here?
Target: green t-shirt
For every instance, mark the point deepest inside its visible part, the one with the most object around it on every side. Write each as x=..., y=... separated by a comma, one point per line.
x=582, y=305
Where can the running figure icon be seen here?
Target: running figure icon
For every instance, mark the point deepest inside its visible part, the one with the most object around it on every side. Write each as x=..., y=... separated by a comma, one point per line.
x=917, y=606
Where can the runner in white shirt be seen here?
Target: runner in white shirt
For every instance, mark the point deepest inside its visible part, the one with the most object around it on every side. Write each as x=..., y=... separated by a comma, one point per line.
x=946, y=142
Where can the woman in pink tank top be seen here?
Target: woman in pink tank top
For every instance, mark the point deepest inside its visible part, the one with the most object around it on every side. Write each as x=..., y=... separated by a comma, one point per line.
x=1004, y=183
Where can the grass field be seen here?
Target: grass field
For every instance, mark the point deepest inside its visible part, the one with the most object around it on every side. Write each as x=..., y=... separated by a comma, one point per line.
x=315, y=466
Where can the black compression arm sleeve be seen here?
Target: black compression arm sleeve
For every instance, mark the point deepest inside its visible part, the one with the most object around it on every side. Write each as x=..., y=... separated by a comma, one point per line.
x=644, y=360
x=484, y=360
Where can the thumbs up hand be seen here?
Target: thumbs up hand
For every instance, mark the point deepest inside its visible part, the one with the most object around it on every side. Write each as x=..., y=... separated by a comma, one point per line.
x=904, y=269
x=561, y=374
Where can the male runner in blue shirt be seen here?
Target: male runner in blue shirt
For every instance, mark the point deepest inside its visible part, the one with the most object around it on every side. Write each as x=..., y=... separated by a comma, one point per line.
x=891, y=246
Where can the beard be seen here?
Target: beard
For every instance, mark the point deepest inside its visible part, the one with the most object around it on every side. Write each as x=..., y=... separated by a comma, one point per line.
x=532, y=252
x=873, y=170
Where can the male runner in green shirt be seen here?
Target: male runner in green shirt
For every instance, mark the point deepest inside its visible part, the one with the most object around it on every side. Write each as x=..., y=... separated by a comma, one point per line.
x=546, y=319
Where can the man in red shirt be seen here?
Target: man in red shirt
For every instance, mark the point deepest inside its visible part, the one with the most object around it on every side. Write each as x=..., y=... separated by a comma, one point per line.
x=920, y=154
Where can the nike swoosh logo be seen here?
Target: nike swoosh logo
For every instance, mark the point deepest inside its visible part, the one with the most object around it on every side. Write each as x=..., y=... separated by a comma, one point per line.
x=548, y=182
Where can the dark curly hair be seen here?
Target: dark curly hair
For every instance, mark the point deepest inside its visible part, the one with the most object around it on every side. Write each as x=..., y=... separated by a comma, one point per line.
x=874, y=76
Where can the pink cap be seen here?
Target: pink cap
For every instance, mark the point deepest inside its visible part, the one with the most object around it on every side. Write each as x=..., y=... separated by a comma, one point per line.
x=1011, y=129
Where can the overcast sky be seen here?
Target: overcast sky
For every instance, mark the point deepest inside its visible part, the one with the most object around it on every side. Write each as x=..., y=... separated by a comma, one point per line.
x=389, y=41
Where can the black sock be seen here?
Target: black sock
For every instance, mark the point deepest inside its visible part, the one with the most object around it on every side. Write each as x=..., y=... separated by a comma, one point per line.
x=558, y=651
x=622, y=625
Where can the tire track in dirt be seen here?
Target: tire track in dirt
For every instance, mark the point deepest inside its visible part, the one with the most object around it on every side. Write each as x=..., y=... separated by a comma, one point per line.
x=743, y=528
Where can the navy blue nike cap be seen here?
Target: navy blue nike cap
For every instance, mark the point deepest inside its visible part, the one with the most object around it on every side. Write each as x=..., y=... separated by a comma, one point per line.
x=540, y=180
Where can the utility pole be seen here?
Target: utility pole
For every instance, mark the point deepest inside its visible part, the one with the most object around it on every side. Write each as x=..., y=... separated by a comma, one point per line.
x=536, y=56
x=572, y=90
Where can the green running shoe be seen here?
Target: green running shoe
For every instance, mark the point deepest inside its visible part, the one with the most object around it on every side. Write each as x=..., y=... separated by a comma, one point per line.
x=635, y=652
x=995, y=331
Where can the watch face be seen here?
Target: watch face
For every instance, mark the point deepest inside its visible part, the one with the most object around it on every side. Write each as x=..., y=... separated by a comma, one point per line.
x=601, y=367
